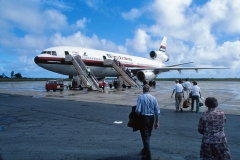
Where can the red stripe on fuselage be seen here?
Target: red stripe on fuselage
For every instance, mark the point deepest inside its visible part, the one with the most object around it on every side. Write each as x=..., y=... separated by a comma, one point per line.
x=86, y=61
x=51, y=58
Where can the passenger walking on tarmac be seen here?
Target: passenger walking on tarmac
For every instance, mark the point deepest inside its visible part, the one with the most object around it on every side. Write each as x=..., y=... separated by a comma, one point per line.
x=147, y=108
x=187, y=87
x=211, y=126
x=179, y=95
x=196, y=95
x=103, y=83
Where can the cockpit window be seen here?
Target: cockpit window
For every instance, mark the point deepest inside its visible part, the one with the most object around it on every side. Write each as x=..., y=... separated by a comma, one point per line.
x=54, y=53
x=44, y=52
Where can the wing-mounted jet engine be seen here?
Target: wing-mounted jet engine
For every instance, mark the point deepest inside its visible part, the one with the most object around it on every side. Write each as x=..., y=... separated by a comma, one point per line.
x=145, y=74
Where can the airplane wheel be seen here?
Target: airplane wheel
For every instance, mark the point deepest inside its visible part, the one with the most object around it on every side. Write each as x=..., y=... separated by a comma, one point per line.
x=54, y=90
x=110, y=85
x=150, y=83
x=129, y=86
x=154, y=83
x=80, y=87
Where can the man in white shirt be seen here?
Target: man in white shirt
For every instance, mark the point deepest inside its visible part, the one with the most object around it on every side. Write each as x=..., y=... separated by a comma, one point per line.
x=179, y=95
x=196, y=95
x=187, y=87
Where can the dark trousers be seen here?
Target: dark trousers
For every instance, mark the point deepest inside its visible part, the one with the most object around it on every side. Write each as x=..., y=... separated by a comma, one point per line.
x=146, y=130
x=195, y=97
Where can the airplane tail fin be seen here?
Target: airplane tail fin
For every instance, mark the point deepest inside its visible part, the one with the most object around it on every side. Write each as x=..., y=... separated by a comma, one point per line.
x=163, y=44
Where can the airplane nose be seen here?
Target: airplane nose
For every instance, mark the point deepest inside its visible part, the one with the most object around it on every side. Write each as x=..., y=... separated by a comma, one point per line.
x=36, y=60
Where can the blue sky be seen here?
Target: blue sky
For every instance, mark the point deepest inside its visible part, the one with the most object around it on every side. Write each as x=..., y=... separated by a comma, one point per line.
x=206, y=32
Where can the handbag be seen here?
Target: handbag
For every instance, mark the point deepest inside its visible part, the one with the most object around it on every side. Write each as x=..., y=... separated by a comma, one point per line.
x=186, y=103
x=200, y=102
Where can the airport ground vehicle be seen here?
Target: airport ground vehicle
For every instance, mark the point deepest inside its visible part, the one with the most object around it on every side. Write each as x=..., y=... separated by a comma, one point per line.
x=54, y=85
x=114, y=83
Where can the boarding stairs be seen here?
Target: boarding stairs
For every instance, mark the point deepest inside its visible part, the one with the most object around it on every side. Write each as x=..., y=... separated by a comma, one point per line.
x=126, y=77
x=86, y=76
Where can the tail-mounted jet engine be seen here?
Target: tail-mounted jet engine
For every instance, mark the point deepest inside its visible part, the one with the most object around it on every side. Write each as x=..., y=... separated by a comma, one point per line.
x=159, y=55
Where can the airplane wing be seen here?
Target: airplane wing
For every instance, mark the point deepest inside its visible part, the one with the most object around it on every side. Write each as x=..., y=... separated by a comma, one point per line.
x=179, y=69
x=179, y=64
x=138, y=69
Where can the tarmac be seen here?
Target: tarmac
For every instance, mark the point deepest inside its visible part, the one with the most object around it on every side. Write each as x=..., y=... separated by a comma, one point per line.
x=92, y=125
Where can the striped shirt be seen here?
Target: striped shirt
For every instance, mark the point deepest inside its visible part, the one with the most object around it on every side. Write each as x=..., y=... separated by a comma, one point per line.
x=147, y=105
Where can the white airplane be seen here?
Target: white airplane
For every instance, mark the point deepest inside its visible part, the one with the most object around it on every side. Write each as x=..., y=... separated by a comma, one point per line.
x=53, y=59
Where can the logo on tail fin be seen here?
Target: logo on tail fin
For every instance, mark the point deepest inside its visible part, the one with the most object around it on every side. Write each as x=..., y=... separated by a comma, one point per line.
x=162, y=48
x=163, y=45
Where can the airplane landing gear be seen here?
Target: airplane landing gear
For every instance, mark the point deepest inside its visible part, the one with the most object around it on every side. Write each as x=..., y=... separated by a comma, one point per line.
x=152, y=83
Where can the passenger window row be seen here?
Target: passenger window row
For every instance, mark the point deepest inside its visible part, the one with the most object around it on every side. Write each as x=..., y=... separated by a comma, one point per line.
x=92, y=58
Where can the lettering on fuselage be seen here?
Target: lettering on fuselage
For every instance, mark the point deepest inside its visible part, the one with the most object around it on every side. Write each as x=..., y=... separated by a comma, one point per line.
x=85, y=56
x=119, y=57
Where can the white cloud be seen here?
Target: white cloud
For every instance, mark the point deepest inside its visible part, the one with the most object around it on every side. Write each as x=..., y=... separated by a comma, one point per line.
x=82, y=22
x=170, y=13
x=132, y=14
x=29, y=18
x=92, y=3
x=139, y=43
x=97, y=5
x=230, y=23
x=25, y=16
x=58, y=4
x=25, y=59
x=55, y=20
x=80, y=40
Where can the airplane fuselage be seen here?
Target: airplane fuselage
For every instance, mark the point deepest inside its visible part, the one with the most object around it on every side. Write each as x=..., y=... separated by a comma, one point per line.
x=53, y=59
